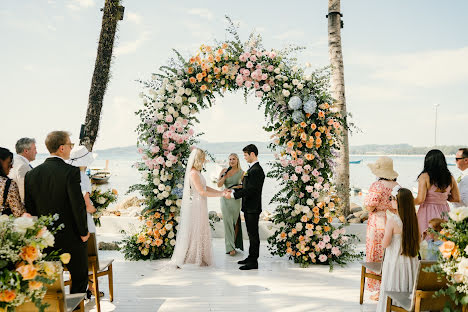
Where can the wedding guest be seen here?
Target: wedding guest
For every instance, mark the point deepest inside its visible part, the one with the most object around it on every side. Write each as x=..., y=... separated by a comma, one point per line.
x=54, y=188
x=377, y=202
x=436, y=186
x=401, y=243
x=9, y=193
x=231, y=178
x=461, y=159
x=431, y=239
x=26, y=153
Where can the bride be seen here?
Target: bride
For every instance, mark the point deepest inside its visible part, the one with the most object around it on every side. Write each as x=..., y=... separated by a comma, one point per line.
x=193, y=240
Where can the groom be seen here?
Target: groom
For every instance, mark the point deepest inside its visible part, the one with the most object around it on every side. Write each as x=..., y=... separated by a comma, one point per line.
x=251, y=193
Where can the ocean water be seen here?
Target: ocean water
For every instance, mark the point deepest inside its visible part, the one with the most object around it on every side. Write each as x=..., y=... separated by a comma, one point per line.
x=408, y=167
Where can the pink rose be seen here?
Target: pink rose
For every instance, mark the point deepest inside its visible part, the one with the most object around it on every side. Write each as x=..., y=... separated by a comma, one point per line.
x=259, y=94
x=315, y=173
x=336, y=251
x=301, y=195
x=180, y=140
x=285, y=177
x=239, y=80
x=321, y=244
x=185, y=122
x=191, y=132
x=335, y=235
x=284, y=162
x=160, y=129
x=140, y=150
x=249, y=64
x=171, y=147
x=298, y=169
x=166, y=153
x=309, y=188
x=264, y=76
x=307, y=167
x=172, y=128
x=323, y=258
x=270, y=68
x=294, y=178
x=320, y=179
x=329, y=246
x=316, y=194
x=154, y=149
x=247, y=54
x=253, y=58
x=243, y=57
x=309, y=233
x=259, y=66
x=160, y=160
x=326, y=238
x=305, y=178
x=248, y=84
x=144, y=157
x=300, y=161
x=266, y=87
x=169, y=118
x=256, y=85
x=272, y=55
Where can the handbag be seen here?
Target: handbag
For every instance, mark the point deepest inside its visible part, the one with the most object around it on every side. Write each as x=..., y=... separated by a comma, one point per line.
x=6, y=209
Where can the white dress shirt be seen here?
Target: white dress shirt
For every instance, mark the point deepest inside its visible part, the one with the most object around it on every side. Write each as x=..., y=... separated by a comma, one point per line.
x=21, y=166
x=463, y=187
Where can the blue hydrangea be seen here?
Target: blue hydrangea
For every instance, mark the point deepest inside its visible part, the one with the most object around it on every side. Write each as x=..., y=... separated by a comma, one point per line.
x=298, y=116
x=295, y=103
x=178, y=192
x=310, y=106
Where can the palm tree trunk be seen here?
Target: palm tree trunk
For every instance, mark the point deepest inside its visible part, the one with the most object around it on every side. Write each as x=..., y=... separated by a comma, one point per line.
x=112, y=13
x=338, y=93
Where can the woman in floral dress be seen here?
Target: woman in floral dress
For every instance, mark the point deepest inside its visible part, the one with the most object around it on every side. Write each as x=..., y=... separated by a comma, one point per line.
x=377, y=202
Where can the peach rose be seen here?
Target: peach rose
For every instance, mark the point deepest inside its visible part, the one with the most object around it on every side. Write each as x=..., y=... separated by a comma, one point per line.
x=34, y=285
x=7, y=295
x=447, y=248
x=29, y=253
x=65, y=258
x=28, y=271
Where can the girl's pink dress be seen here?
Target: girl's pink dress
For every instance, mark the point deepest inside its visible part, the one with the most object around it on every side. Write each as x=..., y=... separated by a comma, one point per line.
x=434, y=206
x=379, y=197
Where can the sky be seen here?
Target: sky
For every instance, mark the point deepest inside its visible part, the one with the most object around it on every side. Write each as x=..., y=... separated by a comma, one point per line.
x=401, y=58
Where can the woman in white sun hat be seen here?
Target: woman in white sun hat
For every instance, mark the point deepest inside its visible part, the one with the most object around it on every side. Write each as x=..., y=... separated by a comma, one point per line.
x=377, y=202
x=82, y=158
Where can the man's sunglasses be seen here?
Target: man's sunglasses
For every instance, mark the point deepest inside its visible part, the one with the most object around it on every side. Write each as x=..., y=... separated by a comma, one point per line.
x=459, y=158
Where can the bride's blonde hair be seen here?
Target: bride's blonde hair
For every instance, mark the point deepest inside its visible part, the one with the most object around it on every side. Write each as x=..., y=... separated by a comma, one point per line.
x=200, y=157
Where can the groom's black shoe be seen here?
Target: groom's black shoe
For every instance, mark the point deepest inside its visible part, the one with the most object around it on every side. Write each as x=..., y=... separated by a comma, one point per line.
x=249, y=266
x=245, y=261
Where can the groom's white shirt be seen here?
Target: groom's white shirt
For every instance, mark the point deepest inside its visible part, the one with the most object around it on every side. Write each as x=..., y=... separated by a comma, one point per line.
x=20, y=167
x=463, y=187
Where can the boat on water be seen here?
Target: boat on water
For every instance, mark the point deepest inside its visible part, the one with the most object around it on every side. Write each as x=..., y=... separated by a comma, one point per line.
x=100, y=176
x=355, y=161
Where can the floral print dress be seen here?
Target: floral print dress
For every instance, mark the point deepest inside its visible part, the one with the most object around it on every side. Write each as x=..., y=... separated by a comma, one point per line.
x=379, y=197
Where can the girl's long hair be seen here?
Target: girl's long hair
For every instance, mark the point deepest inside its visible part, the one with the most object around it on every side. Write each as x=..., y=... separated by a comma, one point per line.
x=435, y=166
x=410, y=232
x=4, y=155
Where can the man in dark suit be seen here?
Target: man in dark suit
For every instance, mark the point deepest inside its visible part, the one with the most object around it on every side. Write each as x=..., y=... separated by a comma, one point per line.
x=54, y=188
x=251, y=194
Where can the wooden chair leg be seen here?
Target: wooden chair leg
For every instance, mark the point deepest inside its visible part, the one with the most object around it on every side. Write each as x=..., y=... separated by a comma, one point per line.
x=96, y=289
x=363, y=282
x=389, y=304
x=417, y=304
x=111, y=283
x=82, y=309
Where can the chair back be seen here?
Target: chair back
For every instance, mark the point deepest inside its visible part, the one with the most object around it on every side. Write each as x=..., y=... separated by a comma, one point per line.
x=92, y=251
x=428, y=282
x=54, y=297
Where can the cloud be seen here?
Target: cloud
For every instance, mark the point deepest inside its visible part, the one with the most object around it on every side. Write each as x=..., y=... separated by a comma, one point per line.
x=134, y=18
x=293, y=33
x=81, y=4
x=423, y=68
x=132, y=46
x=201, y=12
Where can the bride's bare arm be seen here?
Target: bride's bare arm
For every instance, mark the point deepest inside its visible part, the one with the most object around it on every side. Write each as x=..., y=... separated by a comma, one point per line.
x=209, y=192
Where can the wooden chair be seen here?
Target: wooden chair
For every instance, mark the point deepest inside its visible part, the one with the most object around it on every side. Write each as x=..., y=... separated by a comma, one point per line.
x=57, y=299
x=97, y=269
x=374, y=267
x=421, y=298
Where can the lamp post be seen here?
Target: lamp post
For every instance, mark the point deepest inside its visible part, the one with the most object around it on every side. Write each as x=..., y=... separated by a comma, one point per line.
x=435, y=124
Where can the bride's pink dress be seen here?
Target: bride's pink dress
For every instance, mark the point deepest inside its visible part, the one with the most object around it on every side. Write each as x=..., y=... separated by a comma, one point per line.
x=199, y=239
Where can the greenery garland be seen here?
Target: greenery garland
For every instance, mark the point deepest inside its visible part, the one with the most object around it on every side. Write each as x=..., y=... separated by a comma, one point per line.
x=306, y=131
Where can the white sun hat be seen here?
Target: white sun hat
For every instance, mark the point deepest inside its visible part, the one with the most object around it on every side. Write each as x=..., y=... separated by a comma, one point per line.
x=383, y=168
x=81, y=157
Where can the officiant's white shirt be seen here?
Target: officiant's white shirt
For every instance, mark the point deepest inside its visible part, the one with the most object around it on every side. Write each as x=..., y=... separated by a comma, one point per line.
x=21, y=166
x=463, y=187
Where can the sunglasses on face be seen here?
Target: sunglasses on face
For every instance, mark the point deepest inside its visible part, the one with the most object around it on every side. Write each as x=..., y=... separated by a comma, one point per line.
x=391, y=198
x=459, y=158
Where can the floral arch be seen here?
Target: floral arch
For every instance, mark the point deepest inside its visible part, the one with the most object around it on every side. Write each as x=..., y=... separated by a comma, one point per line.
x=305, y=130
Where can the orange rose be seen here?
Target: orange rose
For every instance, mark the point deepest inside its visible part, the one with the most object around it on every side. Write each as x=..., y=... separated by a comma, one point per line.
x=321, y=114
x=303, y=137
x=159, y=242
x=149, y=223
x=283, y=235
x=447, y=248
x=303, y=124
x=141, y=238
x=318, y=141
x=192, y=60
x=330, y=219
x=326, y=228
x=203, y=88
x=27, y=271
x=162, y=231
x=7, y=295
x=29, y=253
x=304, y=218
x=224, y=46
x=190, y=70
x=313, y=126
x=294, y=231
x=159, y=225
x=289, y=250
x=35, y=285
x=309, y=226
x=208, y=49
x=225, y=69
x=192, y=80
x=316, y=220
x=210, y=58
x=315, y=209
x=199, y=76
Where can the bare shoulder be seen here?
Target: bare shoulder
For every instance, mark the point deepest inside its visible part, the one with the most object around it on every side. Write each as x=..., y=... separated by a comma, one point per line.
x=194, y=173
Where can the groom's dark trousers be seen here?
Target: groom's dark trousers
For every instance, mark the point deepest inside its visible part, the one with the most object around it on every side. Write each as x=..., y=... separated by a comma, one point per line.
x=251, y=194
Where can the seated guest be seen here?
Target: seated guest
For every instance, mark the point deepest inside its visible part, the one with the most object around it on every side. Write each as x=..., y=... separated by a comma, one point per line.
x=54, y=188
x=433, y=242
x=377, y=202
x=401, y=243
x=26, y=153
x=436, y=186
x=9, y=193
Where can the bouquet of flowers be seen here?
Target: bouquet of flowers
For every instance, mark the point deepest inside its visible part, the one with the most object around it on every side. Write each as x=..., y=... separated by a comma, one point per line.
x=24, y=269
x=453, y=258
x=101, y=200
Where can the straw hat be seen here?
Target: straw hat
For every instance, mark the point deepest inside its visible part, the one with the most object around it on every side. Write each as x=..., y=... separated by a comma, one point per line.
x=81, y=157
x=383, y=168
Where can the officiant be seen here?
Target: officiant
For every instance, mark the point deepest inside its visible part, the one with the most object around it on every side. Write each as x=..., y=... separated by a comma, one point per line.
x=231, y=177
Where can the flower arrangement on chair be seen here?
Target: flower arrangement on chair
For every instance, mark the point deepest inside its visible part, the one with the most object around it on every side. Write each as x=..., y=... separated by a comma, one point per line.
x=101, y=200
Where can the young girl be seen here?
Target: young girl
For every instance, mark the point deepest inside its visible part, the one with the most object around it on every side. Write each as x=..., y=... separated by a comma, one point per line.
x=401, y=243
x=433, y=243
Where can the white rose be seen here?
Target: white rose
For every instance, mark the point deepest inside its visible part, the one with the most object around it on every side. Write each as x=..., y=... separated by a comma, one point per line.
x=168, y=188
x=179, y=202
x=156, y=181
x=185, y=109
x=160, y=116
x=169, y=176
x=293, y=214
x=173, y=209
x=165, y=194
x=285, y=85
x=188, y=91
x=170, y=109
x=463, y=267
x=170, y=235
x=165, y=81
x=161, y=187
x=173, y=242
x=175, y=114
x=4, y=218
x=48, y=239
x=170, y=100
x=156, y=172
x=168, y=163
x=300, y=86
x=295, y=82
x=101, y=200
x=163, y=178
x=160, y=196
x=192, y=99
x=305, y=209
x=169, y=88
x=155, y=191
x=168, y=226
x=178, y=99
x=281, y=65
x=21, y=224
x=161, y=91
x=286, y=92
x=179, y=83
x=168, y=202
x=310, y=202
x=277, y=70
x=458, y=214
x=299, y=226
x=180, y=91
